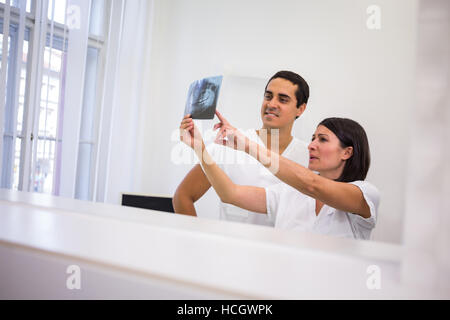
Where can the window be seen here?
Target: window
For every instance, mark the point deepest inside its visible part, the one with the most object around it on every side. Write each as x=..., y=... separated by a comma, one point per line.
x=16, y=3
x=39, y=62
x=14, y=74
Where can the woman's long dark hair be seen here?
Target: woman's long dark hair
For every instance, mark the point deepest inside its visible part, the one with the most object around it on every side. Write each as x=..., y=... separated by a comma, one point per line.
x=351, y=134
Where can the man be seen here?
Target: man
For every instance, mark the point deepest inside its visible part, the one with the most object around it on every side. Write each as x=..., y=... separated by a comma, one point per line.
x=285, y=98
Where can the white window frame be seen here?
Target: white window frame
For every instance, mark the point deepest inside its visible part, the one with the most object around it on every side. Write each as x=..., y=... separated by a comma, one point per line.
x=79, y=42
x=101, y=44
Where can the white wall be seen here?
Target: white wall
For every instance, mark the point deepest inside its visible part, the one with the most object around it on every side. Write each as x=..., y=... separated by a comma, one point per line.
x=427, y=220
x=352, y=71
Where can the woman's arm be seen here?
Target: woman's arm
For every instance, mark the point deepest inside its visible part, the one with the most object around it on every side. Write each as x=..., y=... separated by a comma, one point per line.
x=246, y=197
x=339, y=195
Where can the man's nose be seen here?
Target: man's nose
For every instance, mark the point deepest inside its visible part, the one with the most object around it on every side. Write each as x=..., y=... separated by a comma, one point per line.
x=272, y=103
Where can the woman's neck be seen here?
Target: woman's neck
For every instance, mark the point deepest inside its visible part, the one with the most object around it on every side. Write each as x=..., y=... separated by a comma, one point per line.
x=333, y=174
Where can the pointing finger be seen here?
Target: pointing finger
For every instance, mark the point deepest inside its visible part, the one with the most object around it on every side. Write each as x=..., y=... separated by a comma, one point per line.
x=221, y=118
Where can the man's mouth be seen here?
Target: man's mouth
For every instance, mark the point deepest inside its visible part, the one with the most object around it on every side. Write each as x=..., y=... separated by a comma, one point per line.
x=268, y=113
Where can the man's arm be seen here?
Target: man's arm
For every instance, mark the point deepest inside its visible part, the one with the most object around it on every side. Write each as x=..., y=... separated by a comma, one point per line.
x=192, y=188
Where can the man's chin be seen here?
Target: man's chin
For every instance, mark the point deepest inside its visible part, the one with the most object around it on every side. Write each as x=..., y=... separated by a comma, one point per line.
x=268, y=121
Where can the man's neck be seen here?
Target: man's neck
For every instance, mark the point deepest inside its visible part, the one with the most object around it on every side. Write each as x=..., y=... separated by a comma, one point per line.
x=284, y=138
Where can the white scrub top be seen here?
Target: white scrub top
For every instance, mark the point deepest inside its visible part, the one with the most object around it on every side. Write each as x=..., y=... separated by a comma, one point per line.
x=243, y=169
x=294, y=210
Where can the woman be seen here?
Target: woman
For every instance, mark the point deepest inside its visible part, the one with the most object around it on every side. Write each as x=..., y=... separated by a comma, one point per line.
x=336, y=201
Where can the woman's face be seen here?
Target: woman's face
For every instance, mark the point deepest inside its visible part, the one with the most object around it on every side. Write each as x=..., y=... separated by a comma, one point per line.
x=326, y=155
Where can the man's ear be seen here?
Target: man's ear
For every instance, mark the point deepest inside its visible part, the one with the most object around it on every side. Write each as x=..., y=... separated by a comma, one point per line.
x=348, y=152
x=300, y=110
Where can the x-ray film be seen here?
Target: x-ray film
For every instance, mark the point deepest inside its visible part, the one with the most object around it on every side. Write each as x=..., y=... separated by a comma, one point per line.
x=202, y=98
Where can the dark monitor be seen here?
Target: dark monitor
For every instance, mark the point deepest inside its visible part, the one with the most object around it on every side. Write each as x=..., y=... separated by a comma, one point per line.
x=148, y=202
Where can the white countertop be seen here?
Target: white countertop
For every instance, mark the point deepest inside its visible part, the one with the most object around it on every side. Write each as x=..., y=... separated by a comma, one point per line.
x=243, y=260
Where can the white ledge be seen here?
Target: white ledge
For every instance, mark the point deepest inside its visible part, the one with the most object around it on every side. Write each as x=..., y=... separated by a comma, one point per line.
x=241, y=260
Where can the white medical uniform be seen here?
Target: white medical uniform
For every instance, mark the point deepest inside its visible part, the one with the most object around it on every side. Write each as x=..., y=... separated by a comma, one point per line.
x=243, y=169
x=294, y=210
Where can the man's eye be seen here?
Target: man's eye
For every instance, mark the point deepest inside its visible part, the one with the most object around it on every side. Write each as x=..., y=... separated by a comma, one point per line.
x=268, y=96
x=322, y=140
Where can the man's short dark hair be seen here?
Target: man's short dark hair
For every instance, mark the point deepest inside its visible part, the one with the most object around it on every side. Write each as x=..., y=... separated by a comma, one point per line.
x=302, y=93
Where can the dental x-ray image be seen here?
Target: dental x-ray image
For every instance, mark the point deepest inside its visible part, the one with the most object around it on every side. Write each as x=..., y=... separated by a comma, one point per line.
x=202, y=98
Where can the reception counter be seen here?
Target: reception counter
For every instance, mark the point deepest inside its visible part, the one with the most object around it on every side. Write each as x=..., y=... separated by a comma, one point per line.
x=56, y=248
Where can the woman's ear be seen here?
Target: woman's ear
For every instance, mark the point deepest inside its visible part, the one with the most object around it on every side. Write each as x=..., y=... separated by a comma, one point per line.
x=348, y=152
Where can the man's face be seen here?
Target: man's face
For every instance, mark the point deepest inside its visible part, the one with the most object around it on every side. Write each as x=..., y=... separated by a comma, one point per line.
x=279, y=108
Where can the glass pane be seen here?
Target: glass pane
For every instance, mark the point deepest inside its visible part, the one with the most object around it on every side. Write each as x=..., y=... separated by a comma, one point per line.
x=16, y=169
x=48, y=120
x=11, y=2
x=13, y=116
x=23, y=75
x=57, y=11
x=52, y=62
x=22, y=85
x=8, y=99
x=8, y=50
x=44, y=165
x=7, y=161
x=82, y=191
x=20, y=112
x=51, y=104
x=15, y=3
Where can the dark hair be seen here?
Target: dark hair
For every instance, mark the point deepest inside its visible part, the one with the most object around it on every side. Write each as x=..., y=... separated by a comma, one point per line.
x=351, y=134
x=302, y=93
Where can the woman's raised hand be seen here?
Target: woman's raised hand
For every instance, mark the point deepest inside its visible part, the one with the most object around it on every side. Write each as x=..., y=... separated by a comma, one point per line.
x=189, y=134
x=228, y=135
